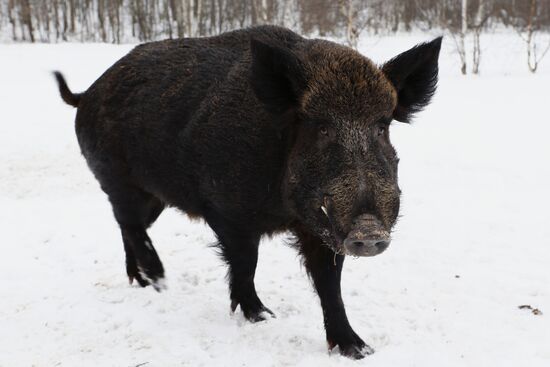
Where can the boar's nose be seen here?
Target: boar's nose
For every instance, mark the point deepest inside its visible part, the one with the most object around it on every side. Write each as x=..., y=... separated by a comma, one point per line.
x=365, y=247
x=367, y=237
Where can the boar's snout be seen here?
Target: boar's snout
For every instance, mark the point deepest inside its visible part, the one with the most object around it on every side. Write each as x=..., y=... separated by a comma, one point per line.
x=365, y=247
x=367, y=237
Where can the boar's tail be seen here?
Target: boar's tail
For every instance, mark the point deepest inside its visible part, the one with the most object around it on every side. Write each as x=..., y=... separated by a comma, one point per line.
x=69, y=97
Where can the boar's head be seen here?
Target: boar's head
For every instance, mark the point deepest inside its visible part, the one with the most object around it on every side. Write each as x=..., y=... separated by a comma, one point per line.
x=341, y=171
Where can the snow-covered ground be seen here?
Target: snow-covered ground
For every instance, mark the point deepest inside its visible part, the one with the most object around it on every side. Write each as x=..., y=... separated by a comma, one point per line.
x=472, y=245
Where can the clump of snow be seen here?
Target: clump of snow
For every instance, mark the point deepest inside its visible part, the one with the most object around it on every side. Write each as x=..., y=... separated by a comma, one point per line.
x=472, y=244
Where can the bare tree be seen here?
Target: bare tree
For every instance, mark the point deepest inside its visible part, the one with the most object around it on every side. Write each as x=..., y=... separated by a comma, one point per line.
x=529, y=19
x=26, y=17
x=355, y=13
x=461, y=47
x=130, y=20
x=11, y=18
x=101, y=18
x=533, y=26
x=483, y=14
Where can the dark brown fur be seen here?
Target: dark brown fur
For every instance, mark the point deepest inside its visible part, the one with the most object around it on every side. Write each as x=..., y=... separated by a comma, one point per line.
x=255, y=131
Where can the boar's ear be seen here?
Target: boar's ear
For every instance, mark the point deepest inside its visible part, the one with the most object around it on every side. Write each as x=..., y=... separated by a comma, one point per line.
x=414, y=76
x=277, y=76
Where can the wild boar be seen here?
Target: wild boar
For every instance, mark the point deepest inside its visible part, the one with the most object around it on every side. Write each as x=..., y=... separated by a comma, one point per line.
x=256, y=131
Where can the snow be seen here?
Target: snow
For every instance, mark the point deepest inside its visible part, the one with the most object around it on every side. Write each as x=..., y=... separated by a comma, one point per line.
x=472, y=245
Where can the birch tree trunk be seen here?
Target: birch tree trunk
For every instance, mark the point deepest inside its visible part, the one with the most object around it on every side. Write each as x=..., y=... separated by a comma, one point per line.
x=101, y=19
x=347, y=9
x=476, y=54
x=26, y=18
x=532, y=59
x=462, y=36
x=11, y=19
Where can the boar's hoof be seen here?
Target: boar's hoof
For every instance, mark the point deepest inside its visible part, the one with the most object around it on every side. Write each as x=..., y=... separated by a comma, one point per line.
x=253, y=313
x=134, y=274
x=154, y=275
x=142, y=282
x=262, y=315
x=145, y=278
x=159, y=284
x=356, y=349
x=146, y=269
x=356, y=352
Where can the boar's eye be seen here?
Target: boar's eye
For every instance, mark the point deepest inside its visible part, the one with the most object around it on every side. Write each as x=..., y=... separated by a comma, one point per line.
x=325, y=133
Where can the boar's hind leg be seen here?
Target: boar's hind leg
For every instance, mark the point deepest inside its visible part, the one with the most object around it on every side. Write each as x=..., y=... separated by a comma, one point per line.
x=325, y=269
x=240, y=250
x=135, y=210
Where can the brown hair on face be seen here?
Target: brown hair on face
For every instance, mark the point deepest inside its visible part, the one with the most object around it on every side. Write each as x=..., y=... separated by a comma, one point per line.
x=340, y=78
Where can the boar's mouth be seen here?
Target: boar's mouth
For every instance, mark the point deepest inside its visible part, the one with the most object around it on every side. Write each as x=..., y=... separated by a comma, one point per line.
x=334, y=238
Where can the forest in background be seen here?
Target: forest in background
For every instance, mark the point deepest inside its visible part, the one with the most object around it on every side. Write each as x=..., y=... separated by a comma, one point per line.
x=119, y=21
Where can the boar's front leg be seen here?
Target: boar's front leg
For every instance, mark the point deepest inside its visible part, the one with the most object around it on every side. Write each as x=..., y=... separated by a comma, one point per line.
x=325, y=269
x=239, y=249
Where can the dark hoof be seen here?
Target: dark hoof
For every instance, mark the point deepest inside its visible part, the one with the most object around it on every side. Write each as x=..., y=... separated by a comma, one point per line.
x=133, y=272
x=142, y=282
x=351, y=346
x=156, y=280
x=261, y=315
x=356, y=351
x=253, y=313
x=153, y=275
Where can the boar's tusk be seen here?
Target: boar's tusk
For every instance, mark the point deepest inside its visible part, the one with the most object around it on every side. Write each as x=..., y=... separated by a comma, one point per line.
x=324, y=210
